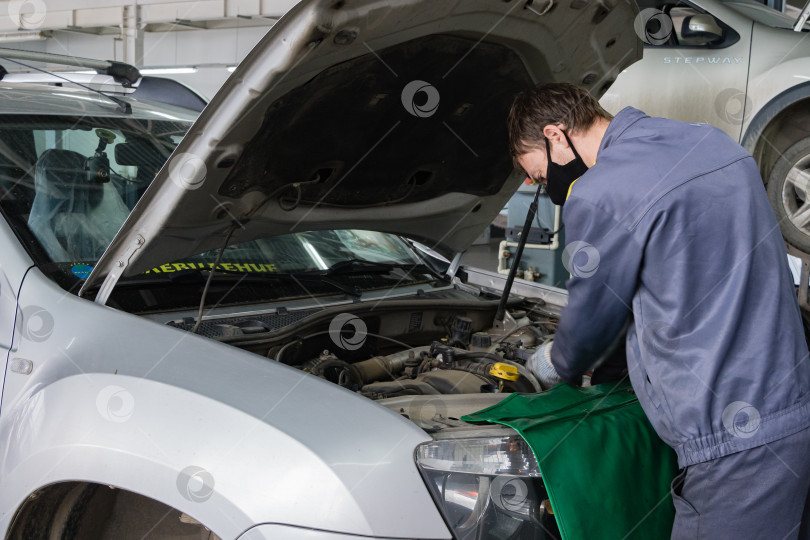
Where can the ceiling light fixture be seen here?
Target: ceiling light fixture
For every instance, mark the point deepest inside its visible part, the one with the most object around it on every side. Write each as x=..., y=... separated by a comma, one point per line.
x=168, y=71
x=16, y=37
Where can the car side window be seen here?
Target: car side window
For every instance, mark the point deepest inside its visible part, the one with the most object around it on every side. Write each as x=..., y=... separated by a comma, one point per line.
x=663, y=23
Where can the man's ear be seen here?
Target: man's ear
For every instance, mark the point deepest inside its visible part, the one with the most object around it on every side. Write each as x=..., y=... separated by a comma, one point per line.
x=554, y=133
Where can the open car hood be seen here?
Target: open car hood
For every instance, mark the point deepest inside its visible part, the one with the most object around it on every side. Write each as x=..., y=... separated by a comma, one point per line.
x=368, y=114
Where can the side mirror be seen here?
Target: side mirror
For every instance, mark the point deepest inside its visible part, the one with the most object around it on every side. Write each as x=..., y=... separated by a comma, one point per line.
x=701, y=27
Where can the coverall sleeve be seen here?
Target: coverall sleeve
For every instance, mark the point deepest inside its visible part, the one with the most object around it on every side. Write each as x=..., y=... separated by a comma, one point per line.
x=604, y=259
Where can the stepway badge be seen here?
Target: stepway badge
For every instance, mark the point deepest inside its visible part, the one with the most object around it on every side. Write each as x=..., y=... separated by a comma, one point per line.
x=703, y=59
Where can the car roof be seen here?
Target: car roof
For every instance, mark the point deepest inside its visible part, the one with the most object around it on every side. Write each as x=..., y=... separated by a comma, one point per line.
x=32, y=98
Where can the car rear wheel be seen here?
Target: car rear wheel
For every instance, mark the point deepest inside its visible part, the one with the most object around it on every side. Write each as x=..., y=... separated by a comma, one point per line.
x=789, y=193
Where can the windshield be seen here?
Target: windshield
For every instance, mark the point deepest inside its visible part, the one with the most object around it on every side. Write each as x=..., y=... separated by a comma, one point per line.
x=312, y=251
x=67, y=185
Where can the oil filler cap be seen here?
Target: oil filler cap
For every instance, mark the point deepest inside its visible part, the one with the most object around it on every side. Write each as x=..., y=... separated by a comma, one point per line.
x=504, y=371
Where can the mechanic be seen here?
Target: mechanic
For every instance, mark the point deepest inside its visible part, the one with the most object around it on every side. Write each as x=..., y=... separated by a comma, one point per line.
x=670, y=234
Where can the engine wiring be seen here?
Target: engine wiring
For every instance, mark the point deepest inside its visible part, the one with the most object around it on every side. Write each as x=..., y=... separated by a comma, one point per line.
x=211, y=277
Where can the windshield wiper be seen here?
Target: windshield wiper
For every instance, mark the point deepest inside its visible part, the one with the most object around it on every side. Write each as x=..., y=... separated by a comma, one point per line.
x=359, y=266
x=196, y=276
x=351, y=290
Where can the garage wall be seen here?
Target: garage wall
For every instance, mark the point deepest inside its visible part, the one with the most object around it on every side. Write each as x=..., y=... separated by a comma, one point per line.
x=208, y=35
x=210, y=51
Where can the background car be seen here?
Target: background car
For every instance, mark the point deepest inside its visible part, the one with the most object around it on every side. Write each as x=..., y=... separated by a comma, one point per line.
x=742, y=67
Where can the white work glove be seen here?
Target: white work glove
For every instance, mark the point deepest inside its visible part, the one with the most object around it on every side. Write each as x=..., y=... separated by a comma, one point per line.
x=540, y=365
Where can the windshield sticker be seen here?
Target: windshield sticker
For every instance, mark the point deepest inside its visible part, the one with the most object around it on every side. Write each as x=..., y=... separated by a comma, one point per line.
x=229, y=267
x=81, y=271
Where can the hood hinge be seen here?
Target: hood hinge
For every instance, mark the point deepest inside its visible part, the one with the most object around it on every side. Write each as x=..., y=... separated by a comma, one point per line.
x=112, y=278
x=452, y=270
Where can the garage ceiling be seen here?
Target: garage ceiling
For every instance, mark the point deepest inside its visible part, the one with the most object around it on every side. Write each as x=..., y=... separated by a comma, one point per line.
x=25, y=16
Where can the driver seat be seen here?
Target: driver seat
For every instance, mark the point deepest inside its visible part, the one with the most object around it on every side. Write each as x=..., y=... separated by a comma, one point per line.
x=72, y=217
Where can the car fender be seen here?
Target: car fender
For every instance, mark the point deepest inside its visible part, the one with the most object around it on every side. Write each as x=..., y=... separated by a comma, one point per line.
x=769, y=93
x=174, y=446
x=228, y=437
x=14, y=263
x=767, y=111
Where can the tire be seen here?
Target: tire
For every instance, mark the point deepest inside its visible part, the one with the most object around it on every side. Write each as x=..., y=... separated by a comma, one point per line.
x=789, y=194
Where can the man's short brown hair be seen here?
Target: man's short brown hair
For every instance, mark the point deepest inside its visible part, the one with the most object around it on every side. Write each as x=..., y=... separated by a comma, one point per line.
x=551, y=103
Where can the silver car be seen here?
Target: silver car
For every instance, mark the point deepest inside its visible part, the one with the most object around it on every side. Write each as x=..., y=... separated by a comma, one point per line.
x=742, y=67
x=254, y=324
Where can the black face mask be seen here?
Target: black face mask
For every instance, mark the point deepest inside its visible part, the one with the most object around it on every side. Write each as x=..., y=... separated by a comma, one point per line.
x=560, y=177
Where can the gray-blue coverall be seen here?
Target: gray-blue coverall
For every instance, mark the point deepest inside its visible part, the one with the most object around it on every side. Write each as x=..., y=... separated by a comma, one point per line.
x=672, y=229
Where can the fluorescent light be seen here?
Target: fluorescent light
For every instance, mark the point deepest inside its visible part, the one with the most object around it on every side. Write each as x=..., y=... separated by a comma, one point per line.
x=16, y=37
x=168, y=71
x=230, y=68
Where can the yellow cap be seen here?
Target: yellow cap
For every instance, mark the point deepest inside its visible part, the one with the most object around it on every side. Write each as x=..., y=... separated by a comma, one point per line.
x=504, y=371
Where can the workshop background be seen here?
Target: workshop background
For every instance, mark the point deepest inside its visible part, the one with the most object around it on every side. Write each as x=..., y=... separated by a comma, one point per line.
x=197, y=43
x=194, y=42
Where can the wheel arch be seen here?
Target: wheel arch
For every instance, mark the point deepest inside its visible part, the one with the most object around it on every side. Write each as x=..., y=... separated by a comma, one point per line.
x=69, y=442
x=778, y=125
x=76, y=510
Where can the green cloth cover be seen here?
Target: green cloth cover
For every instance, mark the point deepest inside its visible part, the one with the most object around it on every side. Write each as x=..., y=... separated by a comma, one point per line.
x=606, y=471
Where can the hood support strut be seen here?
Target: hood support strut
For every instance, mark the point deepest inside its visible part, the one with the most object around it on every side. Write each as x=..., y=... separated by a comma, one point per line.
x=452, y=270
x=524, y=236
x=802, y=18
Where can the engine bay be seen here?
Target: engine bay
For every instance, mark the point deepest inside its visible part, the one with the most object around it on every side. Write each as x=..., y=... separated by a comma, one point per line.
x=467, y=359
x=400, y=348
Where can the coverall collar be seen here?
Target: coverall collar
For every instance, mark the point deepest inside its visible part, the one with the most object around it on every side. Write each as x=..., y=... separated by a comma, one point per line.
x=623, y=120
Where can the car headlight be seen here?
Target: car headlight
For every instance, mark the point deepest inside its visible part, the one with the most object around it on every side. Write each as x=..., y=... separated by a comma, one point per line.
x=487, y=488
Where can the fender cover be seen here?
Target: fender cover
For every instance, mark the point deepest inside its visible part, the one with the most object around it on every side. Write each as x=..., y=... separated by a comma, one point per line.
x=606, y=471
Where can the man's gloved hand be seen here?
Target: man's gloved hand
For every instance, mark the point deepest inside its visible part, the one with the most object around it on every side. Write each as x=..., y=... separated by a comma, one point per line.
x=540, y=365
